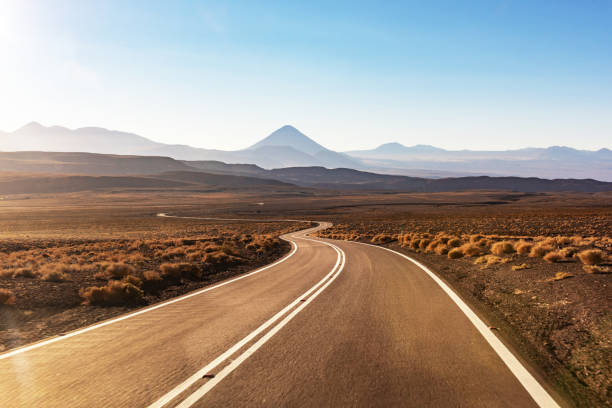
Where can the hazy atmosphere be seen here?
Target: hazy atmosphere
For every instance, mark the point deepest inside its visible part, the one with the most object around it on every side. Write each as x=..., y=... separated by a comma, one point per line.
x=457, y=75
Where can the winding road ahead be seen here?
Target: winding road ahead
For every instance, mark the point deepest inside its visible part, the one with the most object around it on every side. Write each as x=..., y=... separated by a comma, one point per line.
x=331, y=324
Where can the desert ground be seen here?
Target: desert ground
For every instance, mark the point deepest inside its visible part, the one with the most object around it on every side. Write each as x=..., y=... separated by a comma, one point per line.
x=535, y=267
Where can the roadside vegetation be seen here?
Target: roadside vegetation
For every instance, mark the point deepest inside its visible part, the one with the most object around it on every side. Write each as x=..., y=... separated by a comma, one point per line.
x=48, y=286
x=546, y=292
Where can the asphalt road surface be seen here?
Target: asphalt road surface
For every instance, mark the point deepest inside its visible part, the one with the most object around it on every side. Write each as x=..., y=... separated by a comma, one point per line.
x=332, y=324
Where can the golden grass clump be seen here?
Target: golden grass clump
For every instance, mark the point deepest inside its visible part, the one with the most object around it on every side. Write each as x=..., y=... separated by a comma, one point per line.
x=6, y=297
x=539, y=250
x=523, y=247
x=502, y=248
x=53, y=273
x=489, y=260
x=441, y=249
x=596, y=269
x=134, y=280
x=560, y=276
x=455, y=253
x=553, y=257
x=454, y=242
x=520, y=267
x=115, y=293
x=591, y=256
x=470, y=250
x=25, y=273
x=118, y=270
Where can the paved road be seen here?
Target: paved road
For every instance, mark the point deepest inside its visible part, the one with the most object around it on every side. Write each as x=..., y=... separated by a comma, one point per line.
x=332, y=324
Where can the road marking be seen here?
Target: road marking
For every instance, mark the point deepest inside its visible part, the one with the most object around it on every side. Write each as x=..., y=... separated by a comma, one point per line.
x=147, y=309
x=204, y=389
x=236, y=347
x=531, y=385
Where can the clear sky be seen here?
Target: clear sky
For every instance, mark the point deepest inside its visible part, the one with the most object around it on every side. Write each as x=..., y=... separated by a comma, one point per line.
x=220, y=74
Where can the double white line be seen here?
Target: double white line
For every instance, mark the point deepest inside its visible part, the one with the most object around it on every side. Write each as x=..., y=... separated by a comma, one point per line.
x=289, y=312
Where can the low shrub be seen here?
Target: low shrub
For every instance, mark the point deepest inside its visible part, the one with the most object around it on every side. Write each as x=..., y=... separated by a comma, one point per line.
x=591, y=256
x=25, y=273
x=441, y=249
x=134, y=280
x=152, y=281
x=454, y=242
x=170, y=272
x=552, y=257
x=115, y=293
x=539, y=250
x=6, y=297
x=502, y=248
x=596, y=269
x=470, y=250
x=560, y=276
x=455, y=253
x=53, y=275
x=118, y=270
x=520, y=267
x=523, y=247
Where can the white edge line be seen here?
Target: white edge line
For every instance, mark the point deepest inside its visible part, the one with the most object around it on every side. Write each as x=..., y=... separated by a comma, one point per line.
x=200, y=392
x=531, y=385
x=146, y=309
x=170, y=395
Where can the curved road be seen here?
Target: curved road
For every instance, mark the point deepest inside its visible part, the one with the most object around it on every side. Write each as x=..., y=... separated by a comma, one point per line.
x=331, y=324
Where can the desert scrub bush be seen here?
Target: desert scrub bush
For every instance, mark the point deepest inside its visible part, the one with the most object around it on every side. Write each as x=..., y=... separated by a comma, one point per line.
x=152, y=281
x=25, y=273
x=523, y=247
x=53, y=273
x=454, y=242
x=441, y=249
x=560, y=276
x=381, y=239
x=470, y=250
x=568, y=252
x=6, y=297
x=596, y=269
x=489, y=260
x=553, y=256
x=455, y=253
x=115, y=293
x=502, y=248
x=117, y=270
x=539, y=250
x=134, y=280
x=170, y=272
x=520, y=267
x=591, y=256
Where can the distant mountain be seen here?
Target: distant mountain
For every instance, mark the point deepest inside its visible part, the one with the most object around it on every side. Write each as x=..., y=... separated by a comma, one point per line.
x=285, y=147
x=288, y=147
x=551, y=162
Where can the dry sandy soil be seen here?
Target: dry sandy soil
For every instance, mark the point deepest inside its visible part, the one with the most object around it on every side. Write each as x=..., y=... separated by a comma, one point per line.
x=558, y=323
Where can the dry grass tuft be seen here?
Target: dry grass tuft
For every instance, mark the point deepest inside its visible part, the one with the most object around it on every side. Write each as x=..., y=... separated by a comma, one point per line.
x=455, y=253
x=118, y=270
x=115, y=293
x=591, y=256
x=501, y=248
x=6, y=297
x=520, y=267
x=25, y=273
x=596, y=269
x=454, y=242
x=523, y=247
x=553, y=257
x=470, y=250
x=560, y=276
x=539, y=250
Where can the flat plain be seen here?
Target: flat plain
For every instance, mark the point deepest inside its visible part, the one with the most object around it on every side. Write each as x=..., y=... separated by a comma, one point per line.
x=70, y=260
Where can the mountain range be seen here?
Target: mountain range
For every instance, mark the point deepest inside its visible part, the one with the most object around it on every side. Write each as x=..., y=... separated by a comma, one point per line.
x=288, y=147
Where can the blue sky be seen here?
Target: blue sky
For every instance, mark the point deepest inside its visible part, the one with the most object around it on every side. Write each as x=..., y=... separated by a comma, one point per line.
x=468, y=74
